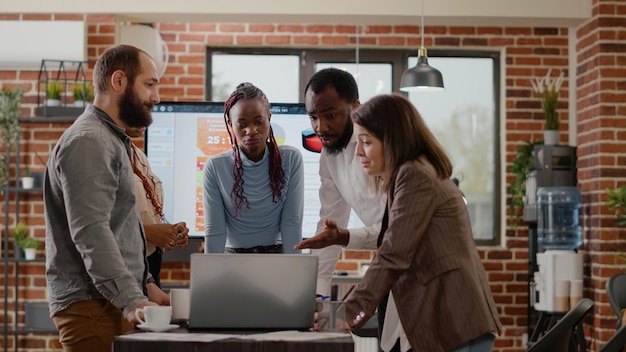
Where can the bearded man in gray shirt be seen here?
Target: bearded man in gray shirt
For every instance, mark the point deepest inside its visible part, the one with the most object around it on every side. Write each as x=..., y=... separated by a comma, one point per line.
x=96, y=271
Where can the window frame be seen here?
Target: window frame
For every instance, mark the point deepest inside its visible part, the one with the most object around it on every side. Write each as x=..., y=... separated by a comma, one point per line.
x=398, y=58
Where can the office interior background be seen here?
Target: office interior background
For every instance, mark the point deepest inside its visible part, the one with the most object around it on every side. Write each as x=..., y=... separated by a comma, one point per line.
x=585, y=39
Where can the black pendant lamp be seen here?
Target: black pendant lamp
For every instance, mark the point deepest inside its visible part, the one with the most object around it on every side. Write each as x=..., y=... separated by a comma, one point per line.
x=422, y=77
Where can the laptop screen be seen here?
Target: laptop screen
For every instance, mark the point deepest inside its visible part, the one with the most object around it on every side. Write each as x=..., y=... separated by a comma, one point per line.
x=252, y=291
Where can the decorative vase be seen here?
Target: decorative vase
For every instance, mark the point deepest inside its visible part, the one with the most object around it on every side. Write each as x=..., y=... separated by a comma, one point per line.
x=18, y=252
x=53, y=102
x=551, y=137
x=28, y=182
x=30, y=253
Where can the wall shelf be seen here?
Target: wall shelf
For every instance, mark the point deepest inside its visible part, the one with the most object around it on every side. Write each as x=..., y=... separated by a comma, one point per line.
x=13, y=196
x=34, y=190
x=69, y=74
x=59, y=111
x=43, y=120
x=22, y=260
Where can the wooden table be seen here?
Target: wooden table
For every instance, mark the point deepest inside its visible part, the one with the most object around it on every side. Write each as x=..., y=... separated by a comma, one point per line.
x=154, y=343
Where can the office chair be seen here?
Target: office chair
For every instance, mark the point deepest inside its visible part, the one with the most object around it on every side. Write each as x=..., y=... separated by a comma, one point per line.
x=558, y=338
x=616, y=292
x=616, y=342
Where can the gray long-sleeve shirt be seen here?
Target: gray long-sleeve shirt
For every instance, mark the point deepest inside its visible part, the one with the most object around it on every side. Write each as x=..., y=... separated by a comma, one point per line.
x=265, y=222
x=95, y=245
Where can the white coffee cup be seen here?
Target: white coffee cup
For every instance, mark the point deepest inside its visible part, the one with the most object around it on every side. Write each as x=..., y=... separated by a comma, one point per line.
x=575, y=292
x=561, y=295
x=155, y=316
x=179, y=298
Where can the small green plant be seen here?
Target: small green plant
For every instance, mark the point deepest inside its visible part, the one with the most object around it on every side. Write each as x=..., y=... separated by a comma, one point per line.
x=83, y=91
x=10, y=103
x=522, y=164
x=27, y=173
x=54, y=90
x=20, y=234
x=617, y=203
x=548, y=89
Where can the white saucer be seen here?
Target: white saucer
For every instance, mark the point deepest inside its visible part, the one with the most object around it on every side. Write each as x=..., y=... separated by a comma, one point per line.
x=169, y=327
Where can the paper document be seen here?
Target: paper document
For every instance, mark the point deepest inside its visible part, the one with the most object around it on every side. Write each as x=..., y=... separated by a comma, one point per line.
x=172, y=336
x=293, y=335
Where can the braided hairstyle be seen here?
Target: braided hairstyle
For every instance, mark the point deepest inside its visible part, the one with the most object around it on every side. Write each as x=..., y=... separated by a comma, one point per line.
x=247, y=91
x=148, y=185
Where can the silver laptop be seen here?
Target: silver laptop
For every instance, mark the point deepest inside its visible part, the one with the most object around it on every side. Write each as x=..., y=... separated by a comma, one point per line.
x=252, y=291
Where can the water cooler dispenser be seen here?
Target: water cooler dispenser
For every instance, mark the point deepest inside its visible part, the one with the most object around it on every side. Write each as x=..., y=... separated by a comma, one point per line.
x=559, y=233
x=556, y=266
x=551, y=210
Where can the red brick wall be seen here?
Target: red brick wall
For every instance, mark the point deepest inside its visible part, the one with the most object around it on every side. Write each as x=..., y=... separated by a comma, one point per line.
x=601, y=105
x=528, y=52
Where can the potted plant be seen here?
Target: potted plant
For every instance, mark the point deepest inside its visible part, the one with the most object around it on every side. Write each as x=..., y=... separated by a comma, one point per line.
x=83, y=94
x=9, y=127
x=27, y=179
x=522, y=165
x=617, y=203
x=53, y=93
x=548, y=90
x=28, y=244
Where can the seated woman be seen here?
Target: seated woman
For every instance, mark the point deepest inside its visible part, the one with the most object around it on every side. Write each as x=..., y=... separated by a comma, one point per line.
x=253, y=194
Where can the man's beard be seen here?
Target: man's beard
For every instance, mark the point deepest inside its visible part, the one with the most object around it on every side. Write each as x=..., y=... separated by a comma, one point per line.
x=342, y=142
x=133, y=112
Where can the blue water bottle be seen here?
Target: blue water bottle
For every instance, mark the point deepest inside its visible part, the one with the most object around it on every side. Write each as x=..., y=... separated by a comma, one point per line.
x=558, y=218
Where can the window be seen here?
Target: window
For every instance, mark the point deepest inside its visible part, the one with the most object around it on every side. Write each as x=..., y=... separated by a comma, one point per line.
x=372, y=78
x=464, y=117
x=228, y=70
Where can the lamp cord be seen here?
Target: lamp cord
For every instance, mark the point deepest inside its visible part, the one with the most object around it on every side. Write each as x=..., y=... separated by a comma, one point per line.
x=422, y=31
x=358, y=32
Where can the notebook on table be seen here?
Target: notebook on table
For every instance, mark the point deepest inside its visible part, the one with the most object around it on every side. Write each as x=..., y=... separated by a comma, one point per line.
x=252, y=291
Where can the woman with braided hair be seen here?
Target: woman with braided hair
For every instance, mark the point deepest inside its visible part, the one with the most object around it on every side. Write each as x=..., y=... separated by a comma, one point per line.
x=149, y=199
x=253, y=194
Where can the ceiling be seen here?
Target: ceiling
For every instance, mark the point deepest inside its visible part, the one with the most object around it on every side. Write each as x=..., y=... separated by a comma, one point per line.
x=552, y=13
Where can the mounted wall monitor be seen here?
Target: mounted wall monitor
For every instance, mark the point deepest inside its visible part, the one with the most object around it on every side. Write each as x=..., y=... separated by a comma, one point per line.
x=184, y=134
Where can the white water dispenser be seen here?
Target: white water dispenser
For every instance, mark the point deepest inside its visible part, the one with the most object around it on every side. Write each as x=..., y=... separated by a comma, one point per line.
x=555, y=266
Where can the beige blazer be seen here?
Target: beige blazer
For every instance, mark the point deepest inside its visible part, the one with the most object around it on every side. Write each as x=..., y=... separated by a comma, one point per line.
x=429, y=260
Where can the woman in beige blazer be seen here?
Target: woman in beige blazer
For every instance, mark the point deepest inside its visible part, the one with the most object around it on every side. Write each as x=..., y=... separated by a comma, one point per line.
x=426, y=260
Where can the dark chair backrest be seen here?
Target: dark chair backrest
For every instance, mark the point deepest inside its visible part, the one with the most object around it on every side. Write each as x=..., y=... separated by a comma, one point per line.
x=558, y=338
x=616, y=292
x=616, y=342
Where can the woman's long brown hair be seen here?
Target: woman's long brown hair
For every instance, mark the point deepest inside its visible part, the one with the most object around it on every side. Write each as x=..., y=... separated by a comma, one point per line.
x=404, y=134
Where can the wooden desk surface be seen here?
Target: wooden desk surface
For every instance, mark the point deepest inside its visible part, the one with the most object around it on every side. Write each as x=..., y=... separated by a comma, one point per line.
x=126, y=343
